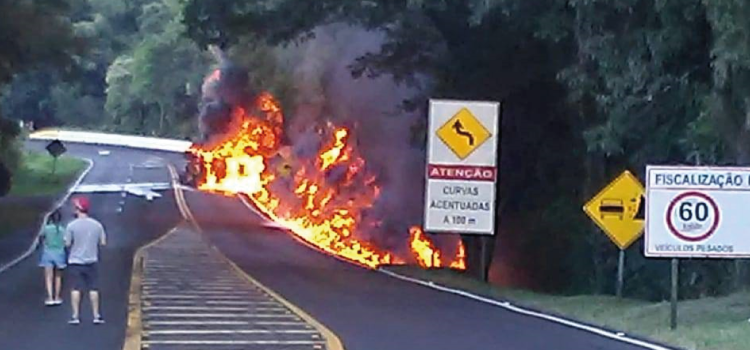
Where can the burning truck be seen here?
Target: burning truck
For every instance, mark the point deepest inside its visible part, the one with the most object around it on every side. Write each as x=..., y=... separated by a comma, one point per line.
x=321, y=190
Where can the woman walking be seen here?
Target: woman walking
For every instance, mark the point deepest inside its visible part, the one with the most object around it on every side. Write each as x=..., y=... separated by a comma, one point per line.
x=53, y=257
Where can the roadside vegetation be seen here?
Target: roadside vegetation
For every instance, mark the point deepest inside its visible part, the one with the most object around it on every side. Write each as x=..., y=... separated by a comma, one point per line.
x=704, y=324
x=35, y=176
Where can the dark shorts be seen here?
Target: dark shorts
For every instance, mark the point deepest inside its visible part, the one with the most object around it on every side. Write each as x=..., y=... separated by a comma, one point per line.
x=84, y=277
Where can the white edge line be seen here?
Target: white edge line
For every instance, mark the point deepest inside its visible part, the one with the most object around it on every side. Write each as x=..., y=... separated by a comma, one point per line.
x=266, y=222
x=508, y=306
x=270, y=224
x=55, y=206
x=504, y=304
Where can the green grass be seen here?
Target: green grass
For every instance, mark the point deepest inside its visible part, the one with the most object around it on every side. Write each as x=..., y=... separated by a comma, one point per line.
x=704, y=324
x=17, y=216
x=34, y=188
x=35, y=178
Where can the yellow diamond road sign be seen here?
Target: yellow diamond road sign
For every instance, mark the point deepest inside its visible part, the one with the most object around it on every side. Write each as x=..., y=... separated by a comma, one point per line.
x=618, y=210
x=463, y=133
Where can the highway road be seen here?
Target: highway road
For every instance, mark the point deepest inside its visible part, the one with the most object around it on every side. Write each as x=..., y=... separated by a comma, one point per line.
x=370, y=310
x=26, y=323
x=366, y=309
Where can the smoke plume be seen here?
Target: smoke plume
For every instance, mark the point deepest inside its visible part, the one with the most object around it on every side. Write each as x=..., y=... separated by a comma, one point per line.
x=225, y=88
x=325, y=91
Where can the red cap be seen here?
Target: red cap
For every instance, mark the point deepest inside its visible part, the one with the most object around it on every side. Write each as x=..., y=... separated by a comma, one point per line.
x=81, y=203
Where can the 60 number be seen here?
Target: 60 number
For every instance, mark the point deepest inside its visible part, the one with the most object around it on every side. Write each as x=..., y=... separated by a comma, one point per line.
x=688, y=211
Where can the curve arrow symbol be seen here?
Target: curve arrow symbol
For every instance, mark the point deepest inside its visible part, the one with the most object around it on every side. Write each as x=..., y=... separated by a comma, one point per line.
x=459, y=128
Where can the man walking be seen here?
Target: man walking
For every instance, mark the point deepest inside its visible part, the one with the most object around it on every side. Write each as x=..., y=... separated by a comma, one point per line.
x=83, y=236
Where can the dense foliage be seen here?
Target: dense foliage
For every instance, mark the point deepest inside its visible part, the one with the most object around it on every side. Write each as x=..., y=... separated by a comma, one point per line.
x=25, y=45
x=589, y=88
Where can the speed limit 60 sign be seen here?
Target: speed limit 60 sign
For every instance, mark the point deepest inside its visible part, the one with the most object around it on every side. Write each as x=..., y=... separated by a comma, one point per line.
x=697, y=212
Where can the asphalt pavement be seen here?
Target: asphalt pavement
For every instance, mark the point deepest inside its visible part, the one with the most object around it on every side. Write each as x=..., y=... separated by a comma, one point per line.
x=130, y=222
x=369, y=310
x=366, y=309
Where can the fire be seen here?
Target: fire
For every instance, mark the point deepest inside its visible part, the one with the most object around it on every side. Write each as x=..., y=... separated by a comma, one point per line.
x=426, y=253
x=322, y=200
x=428, y=256
x=334, y=154
x=459, y=263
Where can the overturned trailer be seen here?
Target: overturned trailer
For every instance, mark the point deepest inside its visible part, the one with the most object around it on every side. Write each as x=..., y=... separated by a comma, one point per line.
x=194, y=170
x=281, y=163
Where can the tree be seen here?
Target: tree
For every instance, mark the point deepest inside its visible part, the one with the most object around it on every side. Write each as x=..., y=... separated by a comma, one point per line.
x=9, y=132
x=25, y=45
x=639, y=74
x=146, y=31
x=157, y=83
x=728, y=104
x=5, y=180
x=125, y=111
x=28, y=97
x=590, y=88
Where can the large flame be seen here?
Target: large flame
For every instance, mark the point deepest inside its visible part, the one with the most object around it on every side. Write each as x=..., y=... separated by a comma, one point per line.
x=325, y=197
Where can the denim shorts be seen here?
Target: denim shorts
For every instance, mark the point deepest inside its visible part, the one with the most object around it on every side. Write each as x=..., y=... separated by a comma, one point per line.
x=52, y=259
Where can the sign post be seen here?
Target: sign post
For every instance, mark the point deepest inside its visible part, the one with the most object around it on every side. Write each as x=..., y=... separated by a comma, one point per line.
x=462, y=169
x=620, y=273
x=696, y=212
x=618, y=211
x=674, y=295
x=55, y=149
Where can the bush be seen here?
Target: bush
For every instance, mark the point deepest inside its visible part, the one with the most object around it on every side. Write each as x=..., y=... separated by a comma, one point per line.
x=10, y=154
x=5, y=180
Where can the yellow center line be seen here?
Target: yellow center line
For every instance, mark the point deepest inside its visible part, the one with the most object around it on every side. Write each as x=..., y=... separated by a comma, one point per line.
x=202, y=297
x=214, y=308
x=213, y=302
x=228, y=331
x=232, y=342
x=226, y=323
x=216, y=315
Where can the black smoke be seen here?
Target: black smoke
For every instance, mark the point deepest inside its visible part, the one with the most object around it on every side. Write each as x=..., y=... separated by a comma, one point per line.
x=326, y=92
x=225, y=89
x=382, y=130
